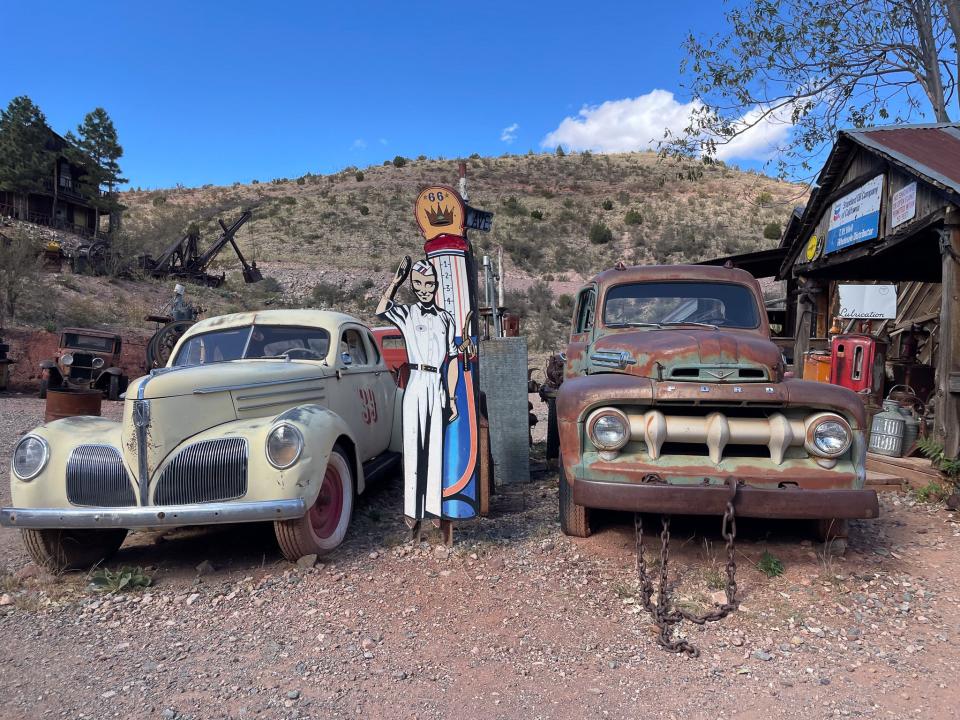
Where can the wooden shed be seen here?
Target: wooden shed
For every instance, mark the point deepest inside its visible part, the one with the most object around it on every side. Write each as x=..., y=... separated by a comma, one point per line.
x=886, y=209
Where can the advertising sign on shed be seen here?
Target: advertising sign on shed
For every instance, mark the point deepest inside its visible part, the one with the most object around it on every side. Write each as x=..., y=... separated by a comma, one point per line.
x=868, y=302
x=903, y=205
x=855, y=218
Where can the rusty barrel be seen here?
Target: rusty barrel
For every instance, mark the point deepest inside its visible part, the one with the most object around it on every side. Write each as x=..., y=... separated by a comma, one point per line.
x=67, y=403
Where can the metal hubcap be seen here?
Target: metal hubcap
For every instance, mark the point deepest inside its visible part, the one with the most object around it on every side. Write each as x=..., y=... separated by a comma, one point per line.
x=326, y=511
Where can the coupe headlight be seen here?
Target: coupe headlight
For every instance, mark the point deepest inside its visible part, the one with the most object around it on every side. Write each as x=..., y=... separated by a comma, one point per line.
x=284, y=445
x=97, y=363
x=66, y=359
x=829, y=436
x=29, y=457
x=608, y=429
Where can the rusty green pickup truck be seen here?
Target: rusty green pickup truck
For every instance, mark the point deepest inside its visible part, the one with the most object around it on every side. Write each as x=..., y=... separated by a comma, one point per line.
x=674, y=400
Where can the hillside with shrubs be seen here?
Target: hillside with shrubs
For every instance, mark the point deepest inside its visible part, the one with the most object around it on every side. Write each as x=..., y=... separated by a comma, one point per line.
x=335, y=240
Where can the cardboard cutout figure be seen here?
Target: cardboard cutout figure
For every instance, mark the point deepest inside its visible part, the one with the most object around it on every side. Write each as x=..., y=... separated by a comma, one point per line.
x=440, y=401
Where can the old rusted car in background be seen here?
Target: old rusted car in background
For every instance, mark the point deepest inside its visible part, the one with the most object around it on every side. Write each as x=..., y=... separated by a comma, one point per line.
x=86, y=360
x=674, y=399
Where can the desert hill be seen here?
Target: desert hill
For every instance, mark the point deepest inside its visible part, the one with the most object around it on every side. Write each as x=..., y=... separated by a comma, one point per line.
x=328, y=240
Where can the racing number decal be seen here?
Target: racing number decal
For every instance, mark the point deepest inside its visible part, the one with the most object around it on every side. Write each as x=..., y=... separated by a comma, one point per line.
x=369, y=400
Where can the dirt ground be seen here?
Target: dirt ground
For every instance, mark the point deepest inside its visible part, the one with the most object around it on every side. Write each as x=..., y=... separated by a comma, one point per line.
x=514, y=621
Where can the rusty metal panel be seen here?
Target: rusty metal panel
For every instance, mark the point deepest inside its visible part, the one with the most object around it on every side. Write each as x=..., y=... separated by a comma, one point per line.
x=932, y=151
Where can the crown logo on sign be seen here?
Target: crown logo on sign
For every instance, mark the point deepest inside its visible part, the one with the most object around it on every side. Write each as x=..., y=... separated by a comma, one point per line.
x=440, y=216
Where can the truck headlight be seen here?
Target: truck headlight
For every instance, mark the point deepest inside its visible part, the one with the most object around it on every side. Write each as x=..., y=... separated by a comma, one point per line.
x=608, y=429
x=97, y=363
x=30, y=456
x=66, y=359
x=828, y=435
x=284, y=445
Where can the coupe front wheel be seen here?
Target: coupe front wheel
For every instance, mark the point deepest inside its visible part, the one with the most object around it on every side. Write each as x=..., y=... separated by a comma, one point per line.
x=60, y=550
x=325, y=525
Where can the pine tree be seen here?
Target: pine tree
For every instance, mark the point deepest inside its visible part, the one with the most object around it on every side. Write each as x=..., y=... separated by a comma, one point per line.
x=25, y=159
x=97, y=139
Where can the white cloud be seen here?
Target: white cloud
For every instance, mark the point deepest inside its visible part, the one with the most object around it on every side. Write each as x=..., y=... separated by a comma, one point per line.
x=640, y=123
x=359, y=144
x=509, y=134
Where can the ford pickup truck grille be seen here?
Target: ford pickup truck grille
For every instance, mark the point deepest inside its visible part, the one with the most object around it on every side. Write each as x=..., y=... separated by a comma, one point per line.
x=208, y=471
x=717, y=431
x=96, y=477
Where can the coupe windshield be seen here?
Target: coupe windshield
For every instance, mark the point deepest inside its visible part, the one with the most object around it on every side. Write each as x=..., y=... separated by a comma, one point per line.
x=256, y=341
x=680, y=303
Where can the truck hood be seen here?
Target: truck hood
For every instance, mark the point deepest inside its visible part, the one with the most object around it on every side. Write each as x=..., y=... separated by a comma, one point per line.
x=684, y=354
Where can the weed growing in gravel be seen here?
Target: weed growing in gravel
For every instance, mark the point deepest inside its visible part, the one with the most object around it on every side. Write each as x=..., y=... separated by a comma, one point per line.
x=932, y=492
x=714, y=578
x=770, y=565
x=125, y=578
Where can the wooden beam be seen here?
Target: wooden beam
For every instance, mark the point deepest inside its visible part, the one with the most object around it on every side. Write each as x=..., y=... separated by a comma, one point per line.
x=947, y=422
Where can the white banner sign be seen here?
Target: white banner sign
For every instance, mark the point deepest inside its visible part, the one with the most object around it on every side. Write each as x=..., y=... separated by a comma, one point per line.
x=868, y=302
x=904, y=205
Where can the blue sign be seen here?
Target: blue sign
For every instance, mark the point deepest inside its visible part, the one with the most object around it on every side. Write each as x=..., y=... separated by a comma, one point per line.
x=855, y=218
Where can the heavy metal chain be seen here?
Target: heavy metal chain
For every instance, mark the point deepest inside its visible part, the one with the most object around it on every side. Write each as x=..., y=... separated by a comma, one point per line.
x=666, y=618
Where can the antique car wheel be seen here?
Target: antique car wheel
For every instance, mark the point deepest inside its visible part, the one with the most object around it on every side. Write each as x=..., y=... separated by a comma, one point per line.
x=574, y=519
x=113, y=390
x=59, y=550
x=325, y=525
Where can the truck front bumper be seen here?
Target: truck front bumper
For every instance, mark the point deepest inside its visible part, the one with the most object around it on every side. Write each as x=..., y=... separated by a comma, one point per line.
x=153, y=516
x=781, y=503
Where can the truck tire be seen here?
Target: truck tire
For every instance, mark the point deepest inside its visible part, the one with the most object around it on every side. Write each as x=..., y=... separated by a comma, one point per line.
x=325, y=524
x=60, y=550
x=574, y=519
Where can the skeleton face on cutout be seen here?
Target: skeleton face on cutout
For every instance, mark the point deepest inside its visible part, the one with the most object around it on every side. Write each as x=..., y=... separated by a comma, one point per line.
x=423, y=281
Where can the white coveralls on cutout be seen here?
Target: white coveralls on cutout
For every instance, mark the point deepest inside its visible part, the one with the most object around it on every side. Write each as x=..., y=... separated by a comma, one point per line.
x=428, y=333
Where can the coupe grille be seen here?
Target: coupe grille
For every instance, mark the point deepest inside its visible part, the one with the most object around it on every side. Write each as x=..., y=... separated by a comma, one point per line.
x=208, y=471
x=96, y=476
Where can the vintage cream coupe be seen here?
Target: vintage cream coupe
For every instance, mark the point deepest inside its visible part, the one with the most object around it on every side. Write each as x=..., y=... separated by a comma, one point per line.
x=282, y=416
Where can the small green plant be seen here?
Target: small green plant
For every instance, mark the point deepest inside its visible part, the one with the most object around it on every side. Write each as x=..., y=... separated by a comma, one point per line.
x=399, y=161
x=359, y=175
x=123, y=579
x=770, y=565
x=159, y=200
x=600, y=234
x=633, y=217
x=932, y=492
x=560, y=152
x=364, y=210
x=771, y=231
x=764, y=199
x=607, y=205
x=934, y=450
x=536, y=214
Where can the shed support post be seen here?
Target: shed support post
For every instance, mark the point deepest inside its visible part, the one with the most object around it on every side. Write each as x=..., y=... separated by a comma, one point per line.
x=947, y=423
x=806, y=308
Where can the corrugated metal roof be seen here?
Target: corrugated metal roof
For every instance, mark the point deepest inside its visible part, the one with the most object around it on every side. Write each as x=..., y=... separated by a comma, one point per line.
x=930, y=150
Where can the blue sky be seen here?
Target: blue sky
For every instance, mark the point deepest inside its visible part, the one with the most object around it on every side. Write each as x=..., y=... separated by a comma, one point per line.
x=211, y=92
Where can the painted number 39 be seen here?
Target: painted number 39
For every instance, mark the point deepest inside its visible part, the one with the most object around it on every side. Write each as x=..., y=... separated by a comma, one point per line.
x=369, y=401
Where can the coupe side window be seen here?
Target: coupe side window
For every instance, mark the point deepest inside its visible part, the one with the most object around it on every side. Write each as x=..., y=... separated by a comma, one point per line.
x=586, y=309
x=353, y=351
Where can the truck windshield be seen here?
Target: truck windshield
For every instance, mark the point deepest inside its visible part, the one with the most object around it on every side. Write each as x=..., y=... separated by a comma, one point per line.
x=677, y=303
x=256, y=341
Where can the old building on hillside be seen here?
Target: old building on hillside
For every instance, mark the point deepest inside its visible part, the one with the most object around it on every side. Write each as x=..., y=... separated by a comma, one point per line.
x=65, y=201
x=886, y=210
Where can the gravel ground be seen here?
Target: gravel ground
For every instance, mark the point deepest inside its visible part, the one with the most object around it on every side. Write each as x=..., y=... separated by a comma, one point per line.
x=514, y=621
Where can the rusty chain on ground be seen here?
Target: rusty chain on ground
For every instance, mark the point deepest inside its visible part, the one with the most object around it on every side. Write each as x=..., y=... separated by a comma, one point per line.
x=664, y=617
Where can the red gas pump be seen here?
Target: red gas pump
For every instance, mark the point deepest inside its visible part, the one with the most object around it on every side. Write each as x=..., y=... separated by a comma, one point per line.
x=856, y=362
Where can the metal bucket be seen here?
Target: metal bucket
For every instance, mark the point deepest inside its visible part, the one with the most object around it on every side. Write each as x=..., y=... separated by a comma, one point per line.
x=68, y=403
x=887, y=430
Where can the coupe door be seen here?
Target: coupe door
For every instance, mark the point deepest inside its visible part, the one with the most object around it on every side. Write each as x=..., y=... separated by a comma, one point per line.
x=358, y=398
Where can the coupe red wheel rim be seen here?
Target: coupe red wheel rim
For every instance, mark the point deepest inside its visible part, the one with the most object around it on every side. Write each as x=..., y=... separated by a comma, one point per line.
x=326, y=511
